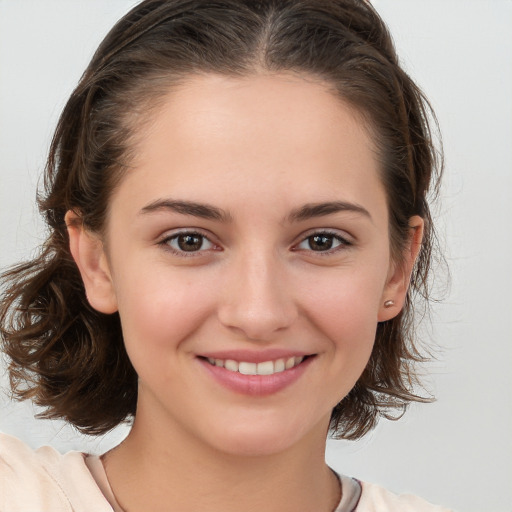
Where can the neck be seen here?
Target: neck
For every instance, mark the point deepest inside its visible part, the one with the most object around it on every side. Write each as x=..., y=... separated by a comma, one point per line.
x=155, y=470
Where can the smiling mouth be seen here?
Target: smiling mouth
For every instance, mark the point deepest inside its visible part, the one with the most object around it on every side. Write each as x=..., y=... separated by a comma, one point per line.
x=264, y=368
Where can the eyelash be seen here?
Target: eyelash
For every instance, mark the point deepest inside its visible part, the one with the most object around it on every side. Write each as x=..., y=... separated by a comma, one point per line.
x=343, y=243
x=168, y=240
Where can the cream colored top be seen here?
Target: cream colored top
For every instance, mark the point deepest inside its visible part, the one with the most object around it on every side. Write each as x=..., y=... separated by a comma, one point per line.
x=45, y=481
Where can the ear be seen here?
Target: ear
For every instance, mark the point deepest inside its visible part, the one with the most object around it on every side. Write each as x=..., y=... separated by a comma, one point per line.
x=91, y=260
x=399, y=277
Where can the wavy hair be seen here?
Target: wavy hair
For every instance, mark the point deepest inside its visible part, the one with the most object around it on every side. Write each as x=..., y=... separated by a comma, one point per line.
x=69, y=358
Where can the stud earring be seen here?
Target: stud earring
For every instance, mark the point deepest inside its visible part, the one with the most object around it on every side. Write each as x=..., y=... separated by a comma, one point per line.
x=389, y=303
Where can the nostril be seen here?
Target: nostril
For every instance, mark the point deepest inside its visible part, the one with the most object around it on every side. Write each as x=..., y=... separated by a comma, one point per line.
x=256, y=321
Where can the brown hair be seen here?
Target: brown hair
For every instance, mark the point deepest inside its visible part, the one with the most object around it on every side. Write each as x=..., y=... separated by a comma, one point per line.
x=68, y=357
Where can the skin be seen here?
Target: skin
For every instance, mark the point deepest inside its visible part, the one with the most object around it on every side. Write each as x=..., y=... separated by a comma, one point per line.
x=259, y=149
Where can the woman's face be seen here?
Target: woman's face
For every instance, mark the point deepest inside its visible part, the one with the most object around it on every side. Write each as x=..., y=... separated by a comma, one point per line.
x=250, y=236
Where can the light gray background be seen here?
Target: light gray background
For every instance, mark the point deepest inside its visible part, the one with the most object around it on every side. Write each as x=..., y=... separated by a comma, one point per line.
x=458, y=451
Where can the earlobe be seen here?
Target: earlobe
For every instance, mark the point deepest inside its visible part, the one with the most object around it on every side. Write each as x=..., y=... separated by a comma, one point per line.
x=399, y=278
x=89, y=255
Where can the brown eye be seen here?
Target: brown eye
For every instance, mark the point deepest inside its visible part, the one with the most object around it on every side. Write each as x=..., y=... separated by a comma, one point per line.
x=323, y=242
x=189, y=242
x=320, y=242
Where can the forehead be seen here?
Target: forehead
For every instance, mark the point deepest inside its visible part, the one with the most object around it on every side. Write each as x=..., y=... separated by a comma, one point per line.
x=261, y=135
x=208, y=107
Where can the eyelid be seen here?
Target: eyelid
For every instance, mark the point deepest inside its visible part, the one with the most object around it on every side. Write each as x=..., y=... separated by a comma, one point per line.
x=165, y=238
x=345, y=239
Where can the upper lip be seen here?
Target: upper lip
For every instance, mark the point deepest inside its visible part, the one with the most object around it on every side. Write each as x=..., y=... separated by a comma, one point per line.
x=254, y=356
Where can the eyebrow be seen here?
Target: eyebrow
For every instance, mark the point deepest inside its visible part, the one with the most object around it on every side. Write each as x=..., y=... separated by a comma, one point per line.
x=312, y=210
x=204, y=211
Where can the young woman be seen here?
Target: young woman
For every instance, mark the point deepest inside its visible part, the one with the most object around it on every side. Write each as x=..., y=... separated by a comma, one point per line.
x=236, y=198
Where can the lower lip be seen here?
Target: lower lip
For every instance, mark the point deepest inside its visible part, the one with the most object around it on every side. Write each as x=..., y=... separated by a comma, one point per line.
x=256, y=385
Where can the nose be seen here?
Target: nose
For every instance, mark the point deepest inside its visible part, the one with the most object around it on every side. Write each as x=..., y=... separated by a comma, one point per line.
x=257, y=299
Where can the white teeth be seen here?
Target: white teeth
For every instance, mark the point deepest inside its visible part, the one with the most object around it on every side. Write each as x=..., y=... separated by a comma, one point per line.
x=266, y=368
x=279, y=366
x=247, y=368
x=290, y=362
x=263, y=368
x=231, y=365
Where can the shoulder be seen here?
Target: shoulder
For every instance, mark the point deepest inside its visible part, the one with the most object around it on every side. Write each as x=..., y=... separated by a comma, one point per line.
x=44, y=479
x=375, y=498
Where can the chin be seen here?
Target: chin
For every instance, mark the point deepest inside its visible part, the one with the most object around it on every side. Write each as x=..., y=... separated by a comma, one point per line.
x=260, y=439
x=249, y=445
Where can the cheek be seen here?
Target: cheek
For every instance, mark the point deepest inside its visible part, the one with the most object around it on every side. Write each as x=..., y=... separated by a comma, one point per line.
x=156, y=314
x=349, y=297
x=344, y=307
